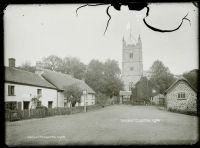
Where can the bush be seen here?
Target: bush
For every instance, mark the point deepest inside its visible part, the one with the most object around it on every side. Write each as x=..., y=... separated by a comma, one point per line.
x=182, y=111
x=102, y=99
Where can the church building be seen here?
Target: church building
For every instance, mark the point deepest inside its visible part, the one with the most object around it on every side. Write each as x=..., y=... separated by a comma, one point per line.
x=132, y=64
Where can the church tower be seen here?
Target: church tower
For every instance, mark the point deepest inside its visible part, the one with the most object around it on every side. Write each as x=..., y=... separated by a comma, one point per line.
x=132, y=65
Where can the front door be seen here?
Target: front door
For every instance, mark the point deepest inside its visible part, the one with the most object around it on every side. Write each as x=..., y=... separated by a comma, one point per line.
x=50, y=104
x=26, y=104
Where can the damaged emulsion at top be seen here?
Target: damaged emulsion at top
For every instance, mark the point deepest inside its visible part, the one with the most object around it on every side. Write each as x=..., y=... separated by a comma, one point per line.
x=137, y=7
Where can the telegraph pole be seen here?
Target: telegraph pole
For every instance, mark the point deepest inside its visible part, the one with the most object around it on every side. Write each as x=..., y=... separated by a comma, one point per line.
x=85, y=95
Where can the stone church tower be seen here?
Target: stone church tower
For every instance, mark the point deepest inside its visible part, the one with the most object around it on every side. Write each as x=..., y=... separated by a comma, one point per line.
x=132, y=65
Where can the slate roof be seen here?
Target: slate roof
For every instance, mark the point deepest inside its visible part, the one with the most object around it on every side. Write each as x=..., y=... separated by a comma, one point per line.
x=178, y=80
x=15, y=75
x=60, y=80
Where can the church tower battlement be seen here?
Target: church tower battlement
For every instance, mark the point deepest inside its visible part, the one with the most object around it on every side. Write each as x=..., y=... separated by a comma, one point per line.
x=132, y=63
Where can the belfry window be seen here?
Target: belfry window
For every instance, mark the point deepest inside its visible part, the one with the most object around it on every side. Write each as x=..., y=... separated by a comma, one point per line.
x=131, y=55
x=131, y=85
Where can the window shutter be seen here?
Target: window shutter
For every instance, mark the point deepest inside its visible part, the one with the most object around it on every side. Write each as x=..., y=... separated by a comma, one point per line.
x=9, y=90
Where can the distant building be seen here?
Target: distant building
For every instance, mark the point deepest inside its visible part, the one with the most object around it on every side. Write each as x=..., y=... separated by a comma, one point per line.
x=158, y=99
x=21, y=86
x=181, y=96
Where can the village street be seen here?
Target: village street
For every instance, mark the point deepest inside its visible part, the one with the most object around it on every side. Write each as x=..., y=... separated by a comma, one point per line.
x=112, y=125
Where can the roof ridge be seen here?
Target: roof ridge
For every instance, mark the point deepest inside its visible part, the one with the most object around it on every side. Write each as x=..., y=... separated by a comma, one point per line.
x=15, y=68
x=14, y=74
x=181, y=78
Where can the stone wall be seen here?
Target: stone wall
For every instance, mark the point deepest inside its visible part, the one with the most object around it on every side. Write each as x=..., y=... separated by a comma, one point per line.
x=189, y=104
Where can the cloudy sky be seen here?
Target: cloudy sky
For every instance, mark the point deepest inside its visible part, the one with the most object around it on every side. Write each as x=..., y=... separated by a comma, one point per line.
x=36, y=31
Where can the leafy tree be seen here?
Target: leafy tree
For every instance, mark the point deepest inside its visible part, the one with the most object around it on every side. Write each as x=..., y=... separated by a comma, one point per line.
x=94, y=76
x=144, y=89
x=27, y=67
x=73, y=94
x=74, y=67
x=111, y=69
x=112, y=82
x=52, y=62
x=104, y=77
x=161, y=76
x=192, y=77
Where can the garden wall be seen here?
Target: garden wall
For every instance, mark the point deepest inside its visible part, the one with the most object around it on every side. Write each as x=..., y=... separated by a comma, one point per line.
x=13, y=115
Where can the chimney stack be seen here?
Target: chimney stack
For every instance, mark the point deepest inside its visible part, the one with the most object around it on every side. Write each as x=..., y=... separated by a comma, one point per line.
x=11, y=62
x=39, y=68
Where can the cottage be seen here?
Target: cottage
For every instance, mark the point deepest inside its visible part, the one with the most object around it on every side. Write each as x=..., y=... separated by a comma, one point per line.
x=181, y=96
x=125, y=97
x=157, y=99
x=21, y=86
x=60, y=80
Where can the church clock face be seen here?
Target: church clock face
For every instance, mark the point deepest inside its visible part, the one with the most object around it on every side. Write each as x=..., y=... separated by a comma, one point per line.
x=131, y=68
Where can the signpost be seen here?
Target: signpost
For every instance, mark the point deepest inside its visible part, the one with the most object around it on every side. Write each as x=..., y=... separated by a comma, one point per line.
x=85, y=95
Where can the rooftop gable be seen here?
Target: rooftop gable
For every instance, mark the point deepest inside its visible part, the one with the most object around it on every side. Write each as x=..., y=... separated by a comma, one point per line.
x=181, y=79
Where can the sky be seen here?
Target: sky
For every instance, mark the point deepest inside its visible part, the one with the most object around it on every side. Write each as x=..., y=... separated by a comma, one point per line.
x=32, y=32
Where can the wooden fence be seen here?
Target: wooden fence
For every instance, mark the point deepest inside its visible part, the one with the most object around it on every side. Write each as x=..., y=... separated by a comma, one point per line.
x=13, y=115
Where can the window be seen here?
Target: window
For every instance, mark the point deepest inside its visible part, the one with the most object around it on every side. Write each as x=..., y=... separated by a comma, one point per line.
x=11, y=105
x=131, y=55
x=181, y=95
x=11, y=90
x=50, y=104
x=39, y=92
x=131, y=68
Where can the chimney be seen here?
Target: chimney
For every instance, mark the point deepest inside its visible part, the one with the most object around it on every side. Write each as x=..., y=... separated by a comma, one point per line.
x=11, y=62
x=39, y=69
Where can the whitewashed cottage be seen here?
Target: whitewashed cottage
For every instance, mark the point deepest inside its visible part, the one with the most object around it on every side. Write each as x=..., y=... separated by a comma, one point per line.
x=181, y=96
x=60, y=80
x=21, y=86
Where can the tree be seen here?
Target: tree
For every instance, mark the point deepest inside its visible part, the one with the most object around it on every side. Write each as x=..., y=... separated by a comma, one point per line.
x=111, y=69
x=161, y=76
x=144, y=89
x=52, y=62
x=104, y=77
x=36, y=102
x=74, y=67
x=94, y=76
x=112, y=82
x=192, y=77
x=27, y=67
x=73, y=94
